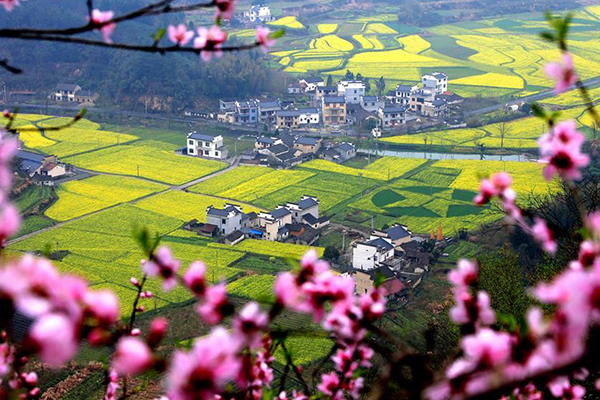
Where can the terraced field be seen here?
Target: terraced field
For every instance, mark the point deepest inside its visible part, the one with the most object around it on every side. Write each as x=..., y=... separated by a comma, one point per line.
x=82, y=137
x=492, y=57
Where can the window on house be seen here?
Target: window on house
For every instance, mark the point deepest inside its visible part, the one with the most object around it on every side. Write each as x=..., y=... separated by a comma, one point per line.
x=223, y=221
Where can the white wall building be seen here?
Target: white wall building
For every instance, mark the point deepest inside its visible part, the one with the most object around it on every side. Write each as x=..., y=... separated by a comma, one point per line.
x=206, y=146
x=403, y=93
x=352, y=90
x=227, y=220
x=370, y=255
x=436, y=82
x=306, y=205
x=309, y=116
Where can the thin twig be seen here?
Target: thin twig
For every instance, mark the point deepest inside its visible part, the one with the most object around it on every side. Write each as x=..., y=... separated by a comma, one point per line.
x=123, y=46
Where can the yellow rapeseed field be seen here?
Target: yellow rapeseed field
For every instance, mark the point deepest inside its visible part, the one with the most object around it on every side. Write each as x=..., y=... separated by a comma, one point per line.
x=288, y=22
x=491, y=79
x=77, y=198
x=327, y=28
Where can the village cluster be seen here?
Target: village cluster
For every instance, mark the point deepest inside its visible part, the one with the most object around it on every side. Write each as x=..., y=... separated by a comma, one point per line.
x=345, y=104
x=394, y=253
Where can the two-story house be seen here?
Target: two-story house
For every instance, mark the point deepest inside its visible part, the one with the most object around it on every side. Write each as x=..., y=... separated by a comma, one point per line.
x=274, y=223
x=307, y=205
x=227, y=220
x=353, y=91
x=35, y=164
x=371, y=254
x=371, y=103
x=403, y=93
x=397, y=234
x=322, y=91
x=246, y=112
x=267, y=110
x=392, y=116
x=307, y=144
x=436, y=82
x=334, y=110
x=206, y=146
x=65, y=92
x=310, y=84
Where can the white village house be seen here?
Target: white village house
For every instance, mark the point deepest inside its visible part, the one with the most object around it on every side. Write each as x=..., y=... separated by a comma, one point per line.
x=371, y=254
x=206, y=146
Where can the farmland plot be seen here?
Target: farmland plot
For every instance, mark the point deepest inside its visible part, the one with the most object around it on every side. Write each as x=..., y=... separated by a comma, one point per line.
x=77, y=198
x=148, y=159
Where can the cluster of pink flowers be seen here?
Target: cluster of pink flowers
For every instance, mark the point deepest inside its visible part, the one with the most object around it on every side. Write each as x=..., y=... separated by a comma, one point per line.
x=10, y=219
x=316, y=290
x=9, y=4
x=560, y=151
x=491, y=358
x=563, y=73
x=499, y=185
x=64, y=312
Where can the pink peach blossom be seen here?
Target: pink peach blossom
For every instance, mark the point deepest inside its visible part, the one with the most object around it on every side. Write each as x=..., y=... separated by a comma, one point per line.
x=102, y=305
x=213, y=306
x=101, y=18
x=179, y=34
x=564, y=74
x=132, y=356
x=248, y=326
x=206, y=368
x=544, y=235
x=54, y=335
x=209, y=41
x=263, y=38
x=195, y=278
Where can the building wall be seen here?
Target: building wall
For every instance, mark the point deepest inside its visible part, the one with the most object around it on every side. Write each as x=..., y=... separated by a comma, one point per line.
x=362, y=282
x=363, y=257
x=226, y=225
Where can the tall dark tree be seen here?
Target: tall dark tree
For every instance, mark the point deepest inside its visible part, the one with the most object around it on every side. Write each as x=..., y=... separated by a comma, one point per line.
x=380, y=84
x=349, y=75
x=329, y=80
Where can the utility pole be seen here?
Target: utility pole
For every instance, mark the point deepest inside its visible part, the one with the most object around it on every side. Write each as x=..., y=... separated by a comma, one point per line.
x=343, y=240
x=138, y=170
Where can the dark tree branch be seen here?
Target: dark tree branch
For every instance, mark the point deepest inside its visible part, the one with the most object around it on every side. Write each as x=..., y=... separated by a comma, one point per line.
x=122, y=46
x=14, y=70
x=161, y=7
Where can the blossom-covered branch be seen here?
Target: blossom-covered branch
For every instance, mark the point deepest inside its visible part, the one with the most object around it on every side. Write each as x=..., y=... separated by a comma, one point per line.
x=208, y=41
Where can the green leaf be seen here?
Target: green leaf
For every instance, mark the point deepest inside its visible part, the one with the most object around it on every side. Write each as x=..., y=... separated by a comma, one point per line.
x=159, y=35
x=538, y=111
x=277, y=34
x=548, y=36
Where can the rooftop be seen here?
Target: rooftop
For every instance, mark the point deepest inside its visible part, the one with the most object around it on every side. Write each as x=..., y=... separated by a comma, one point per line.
x=280, y=212
x=397, y=232
x=307, y=141
x=200, y=136
x=307, y=203
x=334, y=99
x=266, y=140
x=380, y=243
x=346, y=146
x=67, y=87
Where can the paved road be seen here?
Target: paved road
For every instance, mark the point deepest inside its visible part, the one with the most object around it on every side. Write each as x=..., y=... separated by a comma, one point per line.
x=531, y=98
